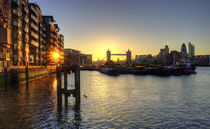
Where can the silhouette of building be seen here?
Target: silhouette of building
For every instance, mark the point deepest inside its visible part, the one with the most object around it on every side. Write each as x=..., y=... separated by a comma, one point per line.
x=163, y=55
x=191, y=49
x=86, y=59
x=71, y=57
x=128, y=56
x=201, y=60
x=108, y=56
x=184, y=52
x=175, y=57
x=74, y=57
x=184, y=49
x=144, y=59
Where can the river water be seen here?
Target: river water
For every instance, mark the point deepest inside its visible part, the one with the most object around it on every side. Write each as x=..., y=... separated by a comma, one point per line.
x=125, y=101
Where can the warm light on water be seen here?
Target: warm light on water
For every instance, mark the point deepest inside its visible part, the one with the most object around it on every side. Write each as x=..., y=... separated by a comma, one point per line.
x=126, y=101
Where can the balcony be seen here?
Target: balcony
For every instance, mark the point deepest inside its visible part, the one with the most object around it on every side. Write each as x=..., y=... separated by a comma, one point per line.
x=34, y=10
x=35, y=19
x=34, y=35
x=34, y=43
x=34, y=26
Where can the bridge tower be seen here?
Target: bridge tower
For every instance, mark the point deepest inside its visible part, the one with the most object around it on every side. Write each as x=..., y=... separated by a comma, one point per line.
x=108, y=56
x=128, y=56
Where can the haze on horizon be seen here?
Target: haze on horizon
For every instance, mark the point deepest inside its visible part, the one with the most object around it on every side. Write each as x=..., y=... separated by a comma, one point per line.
x=143, y=26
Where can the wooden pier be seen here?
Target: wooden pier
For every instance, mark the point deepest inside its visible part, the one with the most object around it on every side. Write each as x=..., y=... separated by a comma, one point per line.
x=61, y=90
x=65, y=91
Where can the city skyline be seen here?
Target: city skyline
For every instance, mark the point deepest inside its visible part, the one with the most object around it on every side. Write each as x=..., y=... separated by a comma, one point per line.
x=142, y=26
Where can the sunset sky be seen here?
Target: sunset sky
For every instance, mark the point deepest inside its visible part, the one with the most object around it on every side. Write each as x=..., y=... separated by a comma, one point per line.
x=143, y=26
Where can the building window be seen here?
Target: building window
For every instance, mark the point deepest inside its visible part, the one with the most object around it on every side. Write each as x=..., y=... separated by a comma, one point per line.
x=15, y=57
x=16, y=12
x=15, y=23
x=26, y=19
x=26, y=10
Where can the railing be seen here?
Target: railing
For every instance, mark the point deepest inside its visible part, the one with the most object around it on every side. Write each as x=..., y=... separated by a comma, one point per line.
x=34, y=26
x=34, y=10
x=34, y=18
x=36, y=44
x=32, y=67
x=34, y=35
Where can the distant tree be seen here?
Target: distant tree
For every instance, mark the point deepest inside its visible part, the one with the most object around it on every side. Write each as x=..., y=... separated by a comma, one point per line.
x=110, y=64
x=155, y=61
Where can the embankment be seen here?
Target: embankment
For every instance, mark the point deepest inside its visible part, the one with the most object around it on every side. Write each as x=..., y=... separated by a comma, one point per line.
x=17, y=76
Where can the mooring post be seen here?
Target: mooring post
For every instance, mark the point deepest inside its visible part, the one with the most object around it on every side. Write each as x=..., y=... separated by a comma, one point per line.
x=27, y=76
x=58, y=76
x=59, y=94
x=77, y=83
x=65, y=86
x=5, y=76
x=65, y=79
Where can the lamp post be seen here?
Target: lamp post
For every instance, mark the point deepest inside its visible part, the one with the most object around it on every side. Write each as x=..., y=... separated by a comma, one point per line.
x=26, y=68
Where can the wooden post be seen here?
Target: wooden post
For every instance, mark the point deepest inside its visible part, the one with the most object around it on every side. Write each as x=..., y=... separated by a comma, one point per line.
x=65, y=79
x=65, y=86
x=59, y=94
x=27, y=76
x=77, y=83
x=58, y=76
x=5, y=76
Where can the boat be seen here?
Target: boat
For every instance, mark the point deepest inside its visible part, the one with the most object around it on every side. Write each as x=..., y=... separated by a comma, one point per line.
x=139, y=71
x=110, y=71
x=187, y=68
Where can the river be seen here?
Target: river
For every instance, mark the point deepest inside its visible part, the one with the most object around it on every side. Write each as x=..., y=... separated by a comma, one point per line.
x=125, y=101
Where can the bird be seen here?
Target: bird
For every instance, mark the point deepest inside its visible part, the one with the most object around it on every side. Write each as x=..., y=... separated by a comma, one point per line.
x=85, y=96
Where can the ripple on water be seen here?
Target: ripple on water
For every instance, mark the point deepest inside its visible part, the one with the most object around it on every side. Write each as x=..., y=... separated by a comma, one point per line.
x=126, y=101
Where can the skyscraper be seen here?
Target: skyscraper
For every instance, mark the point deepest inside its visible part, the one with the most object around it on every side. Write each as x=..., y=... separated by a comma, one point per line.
x=184, y=49
x=191, y=48
x=184, y=52
x=166, y=50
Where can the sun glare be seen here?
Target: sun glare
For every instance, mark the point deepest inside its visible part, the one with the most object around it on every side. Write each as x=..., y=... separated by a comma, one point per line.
x=56, y=55
x=100, y=49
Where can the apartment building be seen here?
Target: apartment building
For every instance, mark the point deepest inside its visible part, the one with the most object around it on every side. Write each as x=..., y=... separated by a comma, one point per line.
x=54, y=41
x=5, y=33
x=19, y=32
x=27, y=37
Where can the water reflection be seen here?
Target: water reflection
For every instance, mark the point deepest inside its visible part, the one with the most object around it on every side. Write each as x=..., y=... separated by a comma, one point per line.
x=126, y=101
x=35, y=106
x=68, y=115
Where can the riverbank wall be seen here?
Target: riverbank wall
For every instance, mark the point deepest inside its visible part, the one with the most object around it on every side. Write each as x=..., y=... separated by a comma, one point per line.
x=15, y=76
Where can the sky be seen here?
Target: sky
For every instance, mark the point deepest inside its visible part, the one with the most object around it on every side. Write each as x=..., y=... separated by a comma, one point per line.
x=142, y=26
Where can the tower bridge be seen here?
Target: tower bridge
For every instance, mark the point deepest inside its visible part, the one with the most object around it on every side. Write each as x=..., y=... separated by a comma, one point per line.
x=128, y=55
